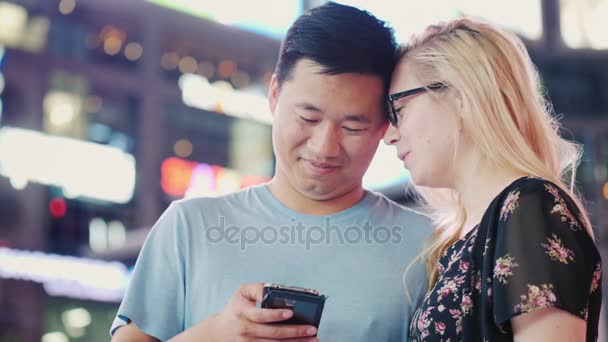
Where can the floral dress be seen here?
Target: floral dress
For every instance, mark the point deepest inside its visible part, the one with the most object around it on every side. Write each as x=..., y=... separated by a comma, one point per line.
x=530, y=251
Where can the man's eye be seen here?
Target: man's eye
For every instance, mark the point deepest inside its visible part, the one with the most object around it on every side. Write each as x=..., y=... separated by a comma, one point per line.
x=308, y=120
x=399, y=111
x=354, y=130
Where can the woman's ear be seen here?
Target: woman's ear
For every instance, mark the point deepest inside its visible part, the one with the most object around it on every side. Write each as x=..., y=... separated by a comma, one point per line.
x=458, y=104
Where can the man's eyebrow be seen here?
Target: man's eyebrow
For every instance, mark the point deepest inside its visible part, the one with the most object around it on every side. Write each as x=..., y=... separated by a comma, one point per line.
x=358, y=118
x=351, y=117
x=307, y=106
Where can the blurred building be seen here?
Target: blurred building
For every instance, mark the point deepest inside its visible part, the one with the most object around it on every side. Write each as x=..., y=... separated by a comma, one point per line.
x=110, y=110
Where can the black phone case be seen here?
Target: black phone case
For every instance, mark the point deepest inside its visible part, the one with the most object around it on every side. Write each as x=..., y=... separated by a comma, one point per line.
x=307, y=308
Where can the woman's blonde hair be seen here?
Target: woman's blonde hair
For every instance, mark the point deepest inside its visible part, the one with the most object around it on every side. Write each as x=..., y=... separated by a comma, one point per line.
x=503, y=113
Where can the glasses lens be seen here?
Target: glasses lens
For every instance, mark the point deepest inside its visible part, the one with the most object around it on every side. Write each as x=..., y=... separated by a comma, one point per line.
x=392, y=116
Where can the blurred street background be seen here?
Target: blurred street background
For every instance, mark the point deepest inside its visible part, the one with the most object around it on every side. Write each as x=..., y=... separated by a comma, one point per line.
x=111, y=109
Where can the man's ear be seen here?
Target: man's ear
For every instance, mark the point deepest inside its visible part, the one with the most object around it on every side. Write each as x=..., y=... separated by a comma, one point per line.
x=273, y=93
x=384, y=128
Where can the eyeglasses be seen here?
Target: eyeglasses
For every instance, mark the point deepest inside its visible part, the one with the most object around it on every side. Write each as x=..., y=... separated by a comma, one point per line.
x=393, y=118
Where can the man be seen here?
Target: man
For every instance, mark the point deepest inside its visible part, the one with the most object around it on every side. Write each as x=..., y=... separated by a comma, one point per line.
x=200, y=272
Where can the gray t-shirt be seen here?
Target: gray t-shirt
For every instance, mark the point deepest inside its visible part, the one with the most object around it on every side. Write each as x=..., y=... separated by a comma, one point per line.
x=202, y=249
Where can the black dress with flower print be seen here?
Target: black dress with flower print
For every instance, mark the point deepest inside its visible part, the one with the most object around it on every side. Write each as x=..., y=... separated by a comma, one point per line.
x=530, y=251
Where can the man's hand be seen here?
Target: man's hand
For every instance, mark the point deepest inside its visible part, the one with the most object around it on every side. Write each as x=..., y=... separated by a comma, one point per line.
x=242, y=320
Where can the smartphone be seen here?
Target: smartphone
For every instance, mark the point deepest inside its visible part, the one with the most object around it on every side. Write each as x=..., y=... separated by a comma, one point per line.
x=306, y=304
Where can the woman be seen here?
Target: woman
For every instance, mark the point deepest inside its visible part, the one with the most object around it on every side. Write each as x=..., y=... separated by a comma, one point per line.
x=513, y=256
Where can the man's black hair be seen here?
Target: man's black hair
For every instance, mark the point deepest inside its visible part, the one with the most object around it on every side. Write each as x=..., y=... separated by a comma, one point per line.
x=341, y=39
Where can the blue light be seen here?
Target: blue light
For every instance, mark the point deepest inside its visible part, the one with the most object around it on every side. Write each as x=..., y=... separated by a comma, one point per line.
x=99, y=132
x=2, y=56
x=2, y=81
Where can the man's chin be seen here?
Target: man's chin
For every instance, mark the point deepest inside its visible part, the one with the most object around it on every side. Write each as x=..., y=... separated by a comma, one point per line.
x=323, y=192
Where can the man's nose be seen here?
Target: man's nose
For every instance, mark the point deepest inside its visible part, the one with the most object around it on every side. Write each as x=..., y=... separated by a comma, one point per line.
x=325, y=142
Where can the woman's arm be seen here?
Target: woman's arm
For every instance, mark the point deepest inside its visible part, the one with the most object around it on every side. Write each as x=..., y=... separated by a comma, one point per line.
x=550, y=324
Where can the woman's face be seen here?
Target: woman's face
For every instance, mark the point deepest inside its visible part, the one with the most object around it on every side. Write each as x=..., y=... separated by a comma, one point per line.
x=427, y=133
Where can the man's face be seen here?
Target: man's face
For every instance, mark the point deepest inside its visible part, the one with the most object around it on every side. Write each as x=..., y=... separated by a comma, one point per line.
x=326, y=129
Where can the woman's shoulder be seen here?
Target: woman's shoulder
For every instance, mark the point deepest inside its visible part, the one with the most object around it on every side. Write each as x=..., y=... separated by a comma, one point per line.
x=533, y=194
x=530, y=185
x=535, y=202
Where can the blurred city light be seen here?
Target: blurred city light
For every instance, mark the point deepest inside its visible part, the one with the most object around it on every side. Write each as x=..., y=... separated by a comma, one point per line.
x=76, y=318
x=66, y=276
x=133, y=51
x=112, y=46
x=117, y=234
x=99, y=132
x=2, y=82
x=206, y=69
x=520, y=16
x=75, y=332
x=80, y=168
x=58, y=207
x=183, y=148
x=113, y=39
x=61, y=107
x=98, y=235
x=35, y=37
x=67, y=6
x=55, y=336
x=190, y=179
x=226, y=68
x=169, y=61
x=18, y=183
x=120, y=141
x=251, y=15
x=13, y=21
x=583, y=23
x=240, y=79
x=18, y=29
x=188, y=65
x=220, y=96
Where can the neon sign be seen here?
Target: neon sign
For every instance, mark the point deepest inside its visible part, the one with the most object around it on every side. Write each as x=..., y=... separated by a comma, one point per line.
x=181, y=177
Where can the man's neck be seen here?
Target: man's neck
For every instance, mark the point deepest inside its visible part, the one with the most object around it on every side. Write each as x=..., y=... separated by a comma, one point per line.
x=296, y=201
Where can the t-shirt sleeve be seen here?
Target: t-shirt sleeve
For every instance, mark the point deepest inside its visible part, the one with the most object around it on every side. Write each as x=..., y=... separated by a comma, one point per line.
x=543, y=255
x=155, y=296
x=416, y=283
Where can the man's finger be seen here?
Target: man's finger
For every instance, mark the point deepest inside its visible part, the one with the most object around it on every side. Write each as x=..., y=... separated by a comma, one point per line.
x=257, y=315
x=300, y=339
x=252, y=292
x=279, y=332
